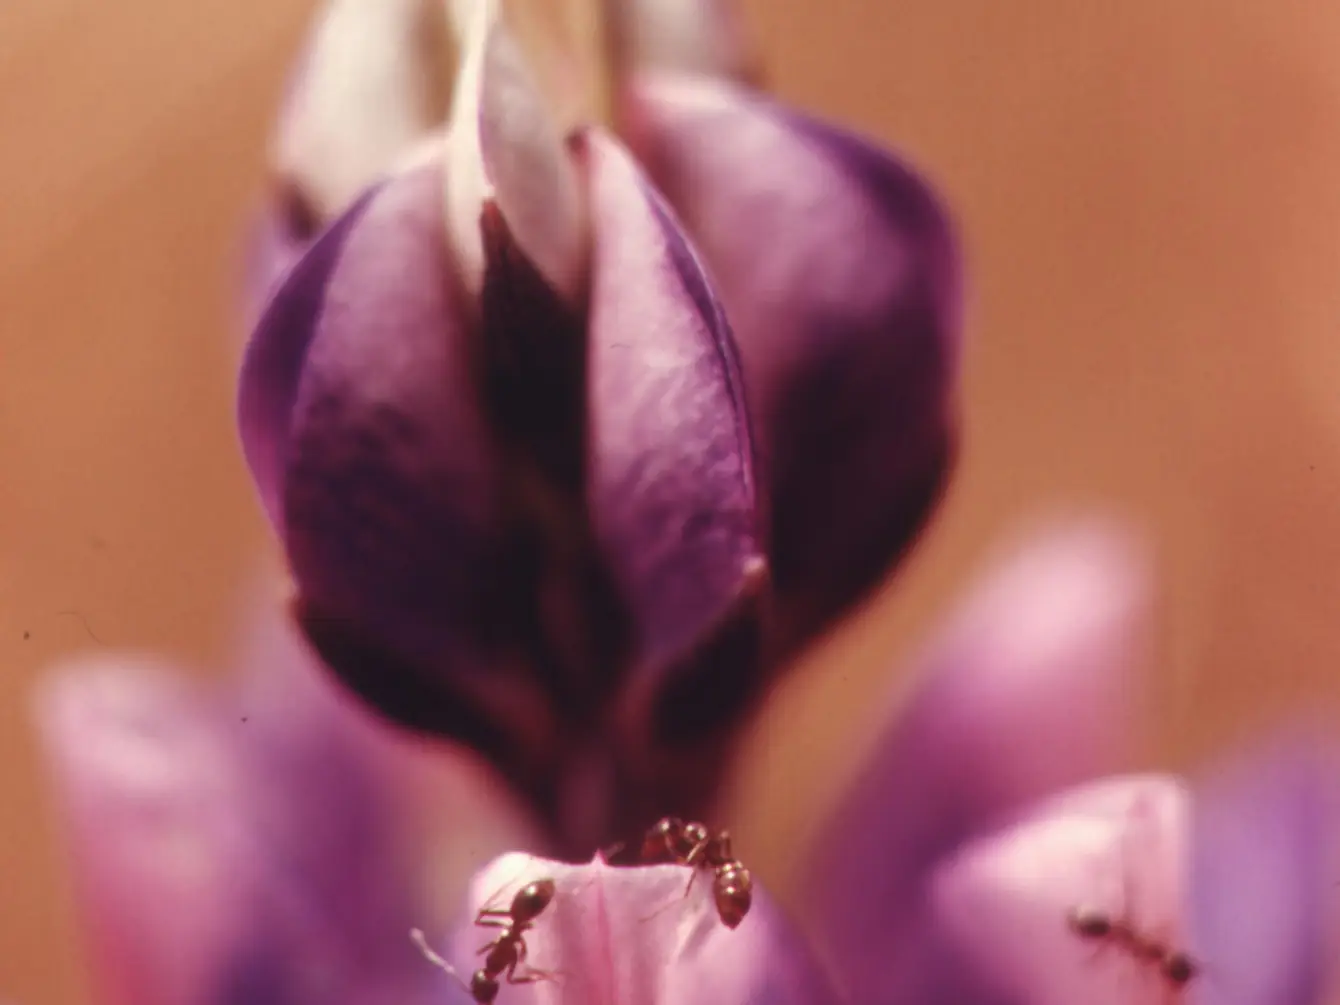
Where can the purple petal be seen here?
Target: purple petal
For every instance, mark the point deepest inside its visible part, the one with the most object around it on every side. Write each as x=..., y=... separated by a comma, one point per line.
x=276, y=354
x=629, y=936
x=1117, y=848
x=366, y=432
x=274, y=242
x=672, y=495
x=837, y=267
x=1264, y=872
x=1034, y=664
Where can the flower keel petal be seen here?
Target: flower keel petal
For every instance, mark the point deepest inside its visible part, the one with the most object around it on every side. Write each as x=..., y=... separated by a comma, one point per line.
x=839, y=272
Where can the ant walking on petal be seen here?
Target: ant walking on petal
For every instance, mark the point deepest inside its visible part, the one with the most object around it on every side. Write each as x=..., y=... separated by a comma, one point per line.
x=506, y=952
x=1176, y=966
x=693, y=845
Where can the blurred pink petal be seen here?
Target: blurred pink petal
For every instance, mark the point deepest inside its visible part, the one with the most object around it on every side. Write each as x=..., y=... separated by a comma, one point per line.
x=235, y=845
x=1118, y=847
x=148, y=792
x=1026, y=692
x=1264, y=873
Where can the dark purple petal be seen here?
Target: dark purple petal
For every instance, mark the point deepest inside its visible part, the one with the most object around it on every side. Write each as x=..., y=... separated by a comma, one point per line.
x=359, y=404
x=277, y=352
x=1263, y=861
x=1026, y=692
x=838, y=269
x=672, y=494
x=413, y=801
x=630, y=936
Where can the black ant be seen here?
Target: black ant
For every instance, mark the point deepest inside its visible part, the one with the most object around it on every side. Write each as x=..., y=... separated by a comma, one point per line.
x=508, y=950
x=692, y=844
x=1177, y=967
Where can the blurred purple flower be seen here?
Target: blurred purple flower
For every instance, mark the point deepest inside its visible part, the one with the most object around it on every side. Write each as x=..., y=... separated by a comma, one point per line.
x=267, y=843
x=260, y=840
x=495, y=410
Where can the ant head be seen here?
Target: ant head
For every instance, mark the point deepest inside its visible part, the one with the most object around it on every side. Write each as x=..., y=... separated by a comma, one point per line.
x=695, y=833
x=532, y=899
x=667, y=826
x=733, y=893
x=1179, y=968
x=483, y=988
x=1090, y=923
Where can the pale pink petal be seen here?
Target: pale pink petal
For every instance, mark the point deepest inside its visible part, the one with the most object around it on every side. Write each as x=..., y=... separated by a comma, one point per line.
x=1118, y=847
x=705, y=37
x=629, y=936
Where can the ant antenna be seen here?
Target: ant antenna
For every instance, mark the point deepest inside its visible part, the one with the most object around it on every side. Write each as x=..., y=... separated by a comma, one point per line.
x=417, y=937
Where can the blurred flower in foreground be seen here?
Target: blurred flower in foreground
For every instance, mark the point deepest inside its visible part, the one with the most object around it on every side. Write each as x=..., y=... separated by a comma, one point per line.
x=271, y=845
x=508, y=438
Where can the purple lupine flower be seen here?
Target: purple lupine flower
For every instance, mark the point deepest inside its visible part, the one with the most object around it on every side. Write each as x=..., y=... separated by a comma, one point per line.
x=284, y=858
x=495, y=414
x=508, y=435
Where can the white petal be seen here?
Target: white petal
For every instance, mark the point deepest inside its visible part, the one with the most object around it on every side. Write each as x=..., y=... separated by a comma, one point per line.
x=505, y=146
x=363, y=95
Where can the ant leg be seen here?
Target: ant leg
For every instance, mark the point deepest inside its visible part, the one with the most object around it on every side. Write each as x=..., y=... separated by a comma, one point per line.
x=693, y=876
x=494, y=920
x=534, y=977
x=488, y=910
x=698, y=850
x=531, y=976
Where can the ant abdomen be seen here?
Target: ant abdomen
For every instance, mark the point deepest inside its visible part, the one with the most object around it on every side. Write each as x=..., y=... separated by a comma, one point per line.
x=733, y=893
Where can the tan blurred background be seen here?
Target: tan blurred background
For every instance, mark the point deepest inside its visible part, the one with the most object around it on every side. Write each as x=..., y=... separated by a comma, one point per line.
x=1150, y=193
